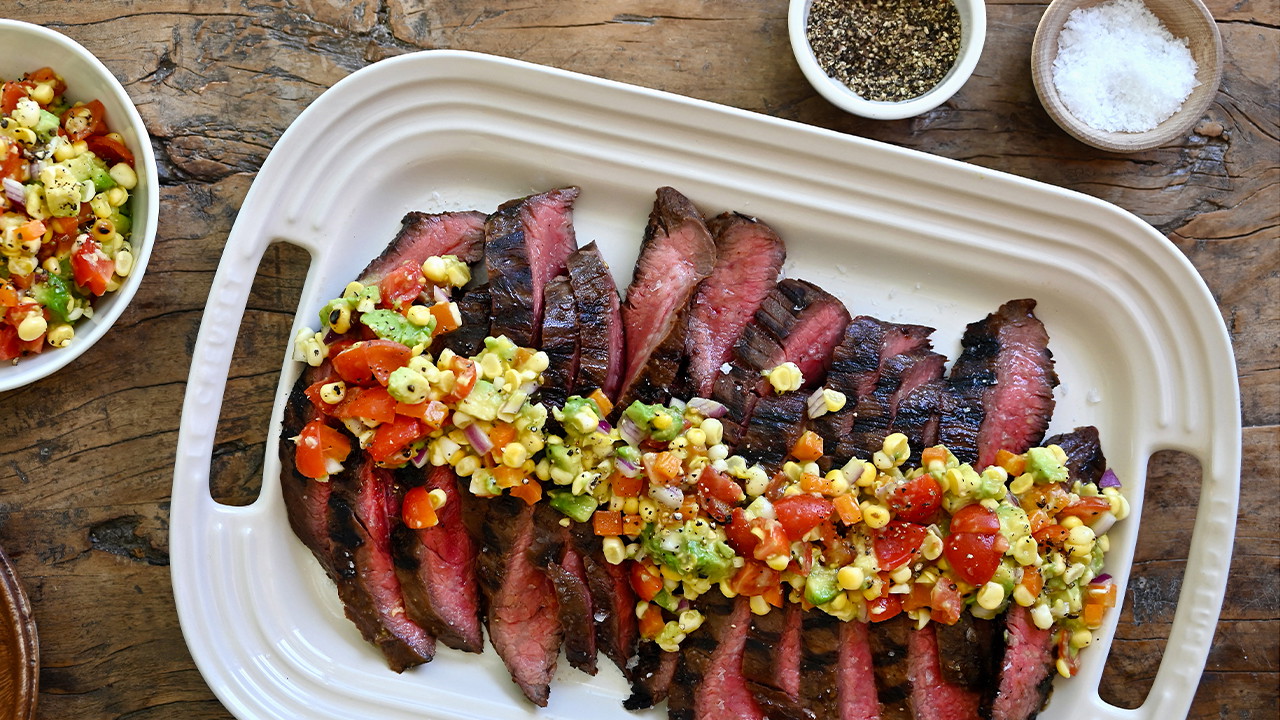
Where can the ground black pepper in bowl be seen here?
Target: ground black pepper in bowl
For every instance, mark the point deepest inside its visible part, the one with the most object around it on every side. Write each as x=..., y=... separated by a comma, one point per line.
x=885, y=50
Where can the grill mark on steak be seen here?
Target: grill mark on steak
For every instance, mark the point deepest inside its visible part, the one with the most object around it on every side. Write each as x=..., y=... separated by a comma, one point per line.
x=560, y=342
x=819, y=683
x=468, y=338
x=551, y=552
x=932, y=697
x=436, y=565
x=613, y=602
x=599, y=311
x=855, y=674
x=1085, y=461
x=969, y=654
x=360, y=536
x=652, y=675
x=900, y=375
x=775, y=426
x=749, y=257
x=1001, y=386
x=423, y=235
x=771, y=655
x=1026, y=672
x=675, y=255
x=709, y=684
x=522, y=611
x=527, y=243
x=888, y=641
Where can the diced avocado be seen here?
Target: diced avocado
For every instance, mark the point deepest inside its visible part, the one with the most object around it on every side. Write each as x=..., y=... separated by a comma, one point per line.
x=482, y=402
x=53, y=294
x=990, y=485
x=566, y=462
x=670, y=636
x=580, y=416
x=662, y=424
x=1013, y=522
x=408, y=386
x=484, y=484
x=1045, y=465
x=326, y=312
x=391, y=325
x=121, y=221
x=502, y=347
x=690, y=549
x=61, y=191
x=46, y=126
x=628, y=453
x=80, y=166
x=368, y=298
x=821, y=587
x=578, y=507
x=102, y=180
x=666, y=601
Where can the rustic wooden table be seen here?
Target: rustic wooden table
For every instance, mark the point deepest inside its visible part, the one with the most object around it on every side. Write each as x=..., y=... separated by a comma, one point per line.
x=86, y=456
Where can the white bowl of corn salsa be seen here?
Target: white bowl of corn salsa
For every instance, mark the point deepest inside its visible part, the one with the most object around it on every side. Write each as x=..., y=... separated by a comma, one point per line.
x=78, y=201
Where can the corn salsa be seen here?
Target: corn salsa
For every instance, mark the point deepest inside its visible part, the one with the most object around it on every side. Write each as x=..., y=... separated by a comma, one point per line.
x=866, y=541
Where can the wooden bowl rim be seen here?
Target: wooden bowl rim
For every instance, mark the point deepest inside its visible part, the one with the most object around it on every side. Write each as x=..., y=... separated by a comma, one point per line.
x=1044, y=49
x=24, y=675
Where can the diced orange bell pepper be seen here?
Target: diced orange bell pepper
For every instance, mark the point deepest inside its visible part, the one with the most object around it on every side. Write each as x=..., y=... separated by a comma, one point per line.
x=529, y=491
x=606, y=523
x=808, y=448
x=848, y=510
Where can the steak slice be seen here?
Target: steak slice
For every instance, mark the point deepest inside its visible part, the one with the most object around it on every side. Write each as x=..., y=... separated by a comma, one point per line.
x=599, y=311
x=1001, y=386
x=613, y=603
x=675, y=255
x=521, y=608
x=1026, y=673
x=468, y=338
x=552, y=553
x=436, y=566
x=652, y=675
x=423, y=235
x=527, y=243
x=1085, y=461
x=749, y=257
x=932, y=697
x=306, y=501
x=855, y=674
x=360, y=535
x=772, y=654
x=775, y=426
x=888, y=641
x=969, y=653
x=900, y=375
x=819, y=667
x=709, y=684
x=560, y=342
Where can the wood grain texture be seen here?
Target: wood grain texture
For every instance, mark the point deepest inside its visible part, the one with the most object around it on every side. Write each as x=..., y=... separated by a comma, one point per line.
x=87, y=455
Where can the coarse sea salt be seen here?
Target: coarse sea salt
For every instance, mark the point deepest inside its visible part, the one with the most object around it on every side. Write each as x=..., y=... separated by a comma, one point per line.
x=1119, y=69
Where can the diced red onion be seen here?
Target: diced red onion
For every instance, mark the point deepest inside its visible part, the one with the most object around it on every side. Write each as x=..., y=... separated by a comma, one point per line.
x=478, y=438
x=605, y=427
x=667, y=496
x=683, y=605
x=1102, y=523
x=630, y=431
x=439, y=294
x=817, y=404
x=35, y=168
x=707, y=408
x=331, y=337
x=1109, y=479
x=626, y=467
x=1103, y=578
x=677, y=404
x=14, y=190
x=421, y=458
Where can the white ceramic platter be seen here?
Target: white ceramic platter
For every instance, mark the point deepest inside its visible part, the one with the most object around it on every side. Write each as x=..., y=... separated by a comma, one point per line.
x=1141, y=349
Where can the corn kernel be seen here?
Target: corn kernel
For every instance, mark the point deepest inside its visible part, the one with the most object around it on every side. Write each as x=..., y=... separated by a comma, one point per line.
x=882, y=460
x=897, y=447
x=874, y=515
x=538, y=362
x=902, y=574
x=1022, y=483
x=778, y=562
x=467, y=466
x=60, y=335
x=333, y=392
x=1080, y=535
x=785, y=378
x=1072, y=522
x=435, y=269
x=1025, y=551
x=834, y=400
x=696, y=437
x=1041, y=616
x=1063, y=668
x=614, y=551
x=839, y=483
x=419, y=315
x=850, y=577
x=1023, y=596
x=931, y=547
x=514, y=455
x=991, y=596
x=757, y=480
x=759, y=606
x=32, y=327
x=351, y=291
x=690, y=620
x=1081, y=638
x=714, y=430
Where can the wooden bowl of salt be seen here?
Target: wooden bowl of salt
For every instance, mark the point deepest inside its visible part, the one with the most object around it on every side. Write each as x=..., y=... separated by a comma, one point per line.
x=1118, y=74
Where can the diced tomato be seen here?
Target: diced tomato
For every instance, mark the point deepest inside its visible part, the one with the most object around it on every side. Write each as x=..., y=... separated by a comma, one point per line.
x=808, y=447
x=13, y=164
x=838, y=552
x=1052, y=535
x=10, y=346
x=81, y=121
x=719, y=493
x=645, y=580
x=1049, y=498
x=1069, y=657
x=916, y=500
x=317, y=444
x=431, y=412
x=896, y=543
x=33, y=230
x=738, y=533
x=416, y=509
x=801, y=513
x=921, y=595
x=8, y=296
x=365, y=362
x=464, y=372
x=447, y=317
x=47, y=76
x=1088, y=509
x=12, y=93
x=373, y=403
x=847, y=508
x=755, y=578
x=975, y=519
x=626, y=487
x=64, y=225
x=811, y=483
x=663, y=467
x=974, y=557
x=607, y=522
x=91, y=267
x=774, y=541
x=652, y=622
x=946, y=602
x=392, y=437
x=884, y=607
x=530, y=491
x=402, y=286
x=110, y=148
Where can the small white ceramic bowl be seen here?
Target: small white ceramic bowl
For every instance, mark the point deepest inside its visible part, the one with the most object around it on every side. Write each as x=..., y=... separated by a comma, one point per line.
x=24, y=48
x=973, y=33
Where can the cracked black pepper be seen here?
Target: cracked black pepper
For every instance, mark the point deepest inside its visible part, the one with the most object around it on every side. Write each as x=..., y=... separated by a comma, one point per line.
x=885, y=50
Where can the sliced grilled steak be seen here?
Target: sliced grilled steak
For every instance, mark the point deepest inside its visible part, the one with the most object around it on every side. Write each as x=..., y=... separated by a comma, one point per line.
x=360, y=536
x=652, y=676
x=918, y=415
x=855, y=674
x=1085, y=461
x=932, y=697
x=436, y=566
x=900, y=376
x=749, y=257
x=708, y=684
x=775, y=426
x=560, y=342
x=527, y=243
x=1026, y=673
x=771, y=656
x=306, y=501
x=552, y=553
x=819, y=667
x=468, y=339
x=423, y=235
x=675, y=255
x=888, y=641
x=1001, y=386
x=521, y=608
x=599, y=311
x=969, y=655
x=613, y=603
